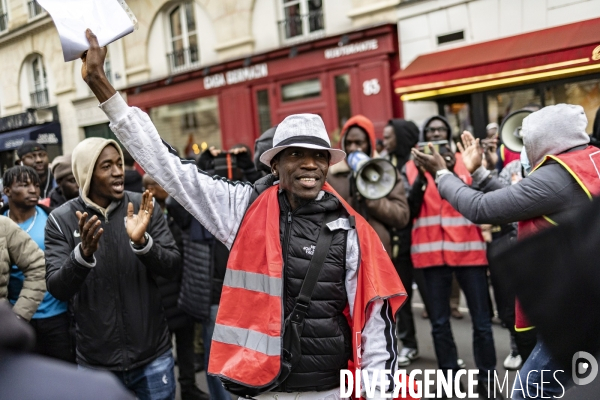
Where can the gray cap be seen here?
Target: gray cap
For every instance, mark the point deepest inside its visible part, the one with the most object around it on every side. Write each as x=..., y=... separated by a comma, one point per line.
x=302, y=130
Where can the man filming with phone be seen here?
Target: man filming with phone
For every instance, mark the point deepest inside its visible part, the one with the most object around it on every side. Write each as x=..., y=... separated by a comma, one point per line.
x=444, y=243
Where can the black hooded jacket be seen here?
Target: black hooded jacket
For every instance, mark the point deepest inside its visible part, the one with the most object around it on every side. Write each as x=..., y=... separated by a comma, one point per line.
x=407, y=136
x=120, y=322
x=262, y=144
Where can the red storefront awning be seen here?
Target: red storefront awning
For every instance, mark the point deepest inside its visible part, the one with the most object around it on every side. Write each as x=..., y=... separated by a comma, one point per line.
x=562, y=51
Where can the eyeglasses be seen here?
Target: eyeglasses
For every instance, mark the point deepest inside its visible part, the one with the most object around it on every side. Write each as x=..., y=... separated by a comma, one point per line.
x=441, y=129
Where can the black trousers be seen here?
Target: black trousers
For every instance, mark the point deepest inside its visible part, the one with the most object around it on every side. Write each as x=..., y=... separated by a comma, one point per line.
x=405, y=324
x=53, y=337
x=184, y=339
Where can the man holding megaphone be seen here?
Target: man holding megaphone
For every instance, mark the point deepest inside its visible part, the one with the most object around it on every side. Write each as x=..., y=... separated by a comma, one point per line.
x=373, y=187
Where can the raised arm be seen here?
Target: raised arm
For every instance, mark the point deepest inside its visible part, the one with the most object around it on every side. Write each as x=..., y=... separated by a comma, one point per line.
x=217, y=203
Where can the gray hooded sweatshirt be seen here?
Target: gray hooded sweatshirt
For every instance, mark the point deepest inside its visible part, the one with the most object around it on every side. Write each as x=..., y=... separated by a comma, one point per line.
x=549, y=191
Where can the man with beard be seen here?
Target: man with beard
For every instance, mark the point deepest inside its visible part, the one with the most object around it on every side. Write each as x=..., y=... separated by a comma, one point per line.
x=34, y=155
x=103, y=258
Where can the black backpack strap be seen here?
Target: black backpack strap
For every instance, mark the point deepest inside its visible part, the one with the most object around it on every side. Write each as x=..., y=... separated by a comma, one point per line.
x=314, y=269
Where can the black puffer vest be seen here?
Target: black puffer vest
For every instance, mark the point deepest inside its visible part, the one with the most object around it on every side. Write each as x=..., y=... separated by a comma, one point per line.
x=326, y=339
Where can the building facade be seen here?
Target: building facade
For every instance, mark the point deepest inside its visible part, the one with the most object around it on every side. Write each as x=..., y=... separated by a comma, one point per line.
x=208, y=73
x=476, y=61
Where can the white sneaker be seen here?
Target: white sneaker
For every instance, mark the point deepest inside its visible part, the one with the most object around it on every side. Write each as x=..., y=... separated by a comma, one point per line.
x=513, y=362
x=406, y=356
x=461, y=363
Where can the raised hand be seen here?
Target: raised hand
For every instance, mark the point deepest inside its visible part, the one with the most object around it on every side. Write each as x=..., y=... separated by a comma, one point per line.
x=90, y=233
x=92, y=70
x=136, y=225
x=471, y=151
x=432, y=163
x=489, y=152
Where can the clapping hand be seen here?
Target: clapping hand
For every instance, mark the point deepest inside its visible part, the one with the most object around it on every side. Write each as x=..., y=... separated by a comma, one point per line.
x=471, y=151
x=136, y=225
x=90, y=233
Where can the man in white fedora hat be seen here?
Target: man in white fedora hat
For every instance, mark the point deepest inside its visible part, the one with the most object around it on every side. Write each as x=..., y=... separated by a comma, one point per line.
x=300, y=257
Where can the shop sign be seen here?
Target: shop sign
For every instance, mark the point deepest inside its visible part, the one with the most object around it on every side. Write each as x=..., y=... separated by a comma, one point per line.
x=350, y=49
x=47, y=138
x=236, y=76
x=17, y=121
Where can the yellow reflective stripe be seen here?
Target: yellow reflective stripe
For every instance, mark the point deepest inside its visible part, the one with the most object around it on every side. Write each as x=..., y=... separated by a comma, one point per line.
x=524, y=329
x=585, y=189
x=502, y=152
x=549, y=220
x=569, y=170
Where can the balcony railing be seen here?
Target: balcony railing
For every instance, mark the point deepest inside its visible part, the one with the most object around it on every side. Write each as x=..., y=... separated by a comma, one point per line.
x=301, y=25
x=3, y=22
x=39, y=98
x=183, y=60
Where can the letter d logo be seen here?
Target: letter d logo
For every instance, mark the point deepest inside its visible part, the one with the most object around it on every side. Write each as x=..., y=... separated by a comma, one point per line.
x=580, y=369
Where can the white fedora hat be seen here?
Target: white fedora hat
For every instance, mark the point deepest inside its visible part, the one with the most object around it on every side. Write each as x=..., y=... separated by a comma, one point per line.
x=302, y=130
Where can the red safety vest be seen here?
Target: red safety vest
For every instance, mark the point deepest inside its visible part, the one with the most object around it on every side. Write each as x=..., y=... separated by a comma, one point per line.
x=507, y=155
x=440, y=234
x=584, y=166
x=247, y=341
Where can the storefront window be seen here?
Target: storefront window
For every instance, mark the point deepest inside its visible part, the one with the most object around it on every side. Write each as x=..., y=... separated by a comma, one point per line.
x=99, y=130
x=301, y=90
x=459, y=117
x=264, y=110
x=585, y=94
x=342, y=98
x=502, y=104
x=189, y=127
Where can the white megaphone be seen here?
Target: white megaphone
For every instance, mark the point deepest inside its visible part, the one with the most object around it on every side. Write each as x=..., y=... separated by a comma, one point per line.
x=510, y=131
x=375, y=178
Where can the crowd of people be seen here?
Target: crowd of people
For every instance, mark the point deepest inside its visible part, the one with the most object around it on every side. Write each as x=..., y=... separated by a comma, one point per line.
x=274, y=274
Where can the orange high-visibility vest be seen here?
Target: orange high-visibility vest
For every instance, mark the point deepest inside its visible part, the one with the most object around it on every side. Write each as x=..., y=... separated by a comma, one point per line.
x=584, y=167
x=440, y=234
x=247, y=341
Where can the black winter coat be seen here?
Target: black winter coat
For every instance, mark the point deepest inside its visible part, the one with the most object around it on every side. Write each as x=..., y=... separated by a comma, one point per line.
x=196, y=284
x=120, y=323
x=169, y=288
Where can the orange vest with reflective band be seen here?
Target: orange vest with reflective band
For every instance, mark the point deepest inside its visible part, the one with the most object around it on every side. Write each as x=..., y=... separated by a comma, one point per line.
x=440, y=234
x=584, y=167
x=247, y=340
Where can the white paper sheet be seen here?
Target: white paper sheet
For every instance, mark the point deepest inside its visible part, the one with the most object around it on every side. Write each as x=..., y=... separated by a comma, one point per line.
x=108, y=19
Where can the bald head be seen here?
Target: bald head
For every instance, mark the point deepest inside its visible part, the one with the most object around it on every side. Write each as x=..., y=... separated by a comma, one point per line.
x=147, y=180
x=157, y=191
